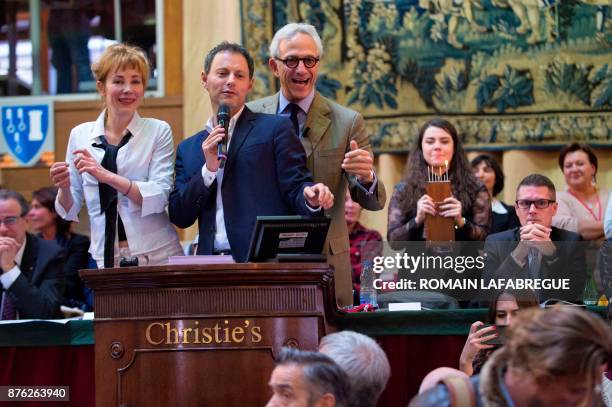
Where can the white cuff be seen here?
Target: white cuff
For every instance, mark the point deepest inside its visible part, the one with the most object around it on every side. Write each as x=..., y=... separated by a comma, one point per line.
x=311, y=209
x=372, y=188
x=208, y=176
x=72, y=215
x=9, y=277
x=153, y=198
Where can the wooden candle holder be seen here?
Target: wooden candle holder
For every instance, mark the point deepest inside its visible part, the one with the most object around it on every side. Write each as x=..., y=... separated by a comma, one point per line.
x=437, y=228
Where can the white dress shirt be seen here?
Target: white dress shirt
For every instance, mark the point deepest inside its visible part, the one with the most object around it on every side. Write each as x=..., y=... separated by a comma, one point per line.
x=147, y=160
x=221, y=241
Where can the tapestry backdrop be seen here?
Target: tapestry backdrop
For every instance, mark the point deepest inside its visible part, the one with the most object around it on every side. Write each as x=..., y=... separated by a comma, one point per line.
x=508, y=73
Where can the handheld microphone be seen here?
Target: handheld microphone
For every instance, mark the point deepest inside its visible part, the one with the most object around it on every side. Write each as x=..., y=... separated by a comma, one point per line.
x=223, y=118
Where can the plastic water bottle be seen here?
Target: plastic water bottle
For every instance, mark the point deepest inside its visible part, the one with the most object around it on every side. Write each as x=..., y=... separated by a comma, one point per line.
x=367, y=292
x=590, y=295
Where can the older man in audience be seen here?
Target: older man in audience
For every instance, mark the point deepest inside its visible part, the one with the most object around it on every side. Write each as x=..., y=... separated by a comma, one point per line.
x=303, y=378
x=32, y=273
x=364, y=362
x=552, y=357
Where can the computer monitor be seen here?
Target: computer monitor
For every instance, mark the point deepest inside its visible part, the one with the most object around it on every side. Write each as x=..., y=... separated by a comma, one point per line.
x=288, y=238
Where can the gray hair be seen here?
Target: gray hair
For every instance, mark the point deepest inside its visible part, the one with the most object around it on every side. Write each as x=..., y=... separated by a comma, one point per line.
x=364, y=362
x=289, y=31
x=321, y=373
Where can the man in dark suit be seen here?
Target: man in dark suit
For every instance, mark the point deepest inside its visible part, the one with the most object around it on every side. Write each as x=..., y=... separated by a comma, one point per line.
x=536, y=249
x=265, y=173
x=334, y=137
x=32, y=269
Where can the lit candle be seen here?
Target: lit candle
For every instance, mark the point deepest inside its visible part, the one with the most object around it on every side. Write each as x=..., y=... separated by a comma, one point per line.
x=446, y=170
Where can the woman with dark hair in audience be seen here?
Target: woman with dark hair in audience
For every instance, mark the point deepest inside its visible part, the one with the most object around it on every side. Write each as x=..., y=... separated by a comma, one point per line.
x=50, y=226
x=439, y=148
x=502, y=309
x=488, y=171
x=582, y=204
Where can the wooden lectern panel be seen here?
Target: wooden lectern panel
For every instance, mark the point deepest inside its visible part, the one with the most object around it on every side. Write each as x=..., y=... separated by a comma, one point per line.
x=203, y=335
x=207, y=382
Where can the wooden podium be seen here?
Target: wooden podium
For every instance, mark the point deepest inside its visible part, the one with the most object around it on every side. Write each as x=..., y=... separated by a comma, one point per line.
x=193, y=335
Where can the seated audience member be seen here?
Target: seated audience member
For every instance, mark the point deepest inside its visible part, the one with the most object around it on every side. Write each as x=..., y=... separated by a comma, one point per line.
x=364, y=362
x=365, y=242
x=552, y=357
x=303, y=378
x=582, y=204
x=537, y=250
x=121, y=166
x=50, y=226
x=32, y=268
x=608, y=219
x=265, y=174
x=488, y=171
x=438, y=375
x=502, y=311
x=438, y=149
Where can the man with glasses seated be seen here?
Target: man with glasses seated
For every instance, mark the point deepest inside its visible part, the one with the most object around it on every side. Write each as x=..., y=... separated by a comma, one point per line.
x=334, y=137
x=32, y=273
x=537, y=250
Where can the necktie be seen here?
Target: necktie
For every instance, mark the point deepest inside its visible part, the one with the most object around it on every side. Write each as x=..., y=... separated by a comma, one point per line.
x=294, y=109
x=108, y=197
x=533, y=263
x=8, y=308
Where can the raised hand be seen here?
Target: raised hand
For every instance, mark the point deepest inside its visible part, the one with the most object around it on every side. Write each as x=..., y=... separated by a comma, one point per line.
x=86, y=163
x=60, y=175
x=209, y=148
x=359, y=162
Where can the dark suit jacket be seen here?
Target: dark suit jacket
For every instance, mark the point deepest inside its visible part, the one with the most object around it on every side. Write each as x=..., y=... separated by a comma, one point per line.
x=76, y=248
x=505, y=221
x=568, y=261
x=265, y=174
x=331, y=127
x=38, y=290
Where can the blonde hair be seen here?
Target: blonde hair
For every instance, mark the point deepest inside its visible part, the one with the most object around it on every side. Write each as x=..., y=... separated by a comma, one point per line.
x=121, y=56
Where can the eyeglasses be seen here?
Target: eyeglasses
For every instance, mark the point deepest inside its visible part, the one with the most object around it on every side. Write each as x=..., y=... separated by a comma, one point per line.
x=539, y=203
x=9, y=220
x=293, y=62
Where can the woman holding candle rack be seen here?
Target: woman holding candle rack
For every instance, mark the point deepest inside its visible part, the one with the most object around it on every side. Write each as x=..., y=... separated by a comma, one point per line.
x=438, y=156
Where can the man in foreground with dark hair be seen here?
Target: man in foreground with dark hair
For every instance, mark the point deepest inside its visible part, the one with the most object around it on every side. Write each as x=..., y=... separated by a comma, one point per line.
x=32, y=274
x=537, y=250
x=552, y=357
x=265, y=173
x=303, y=378
x=363, y=360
